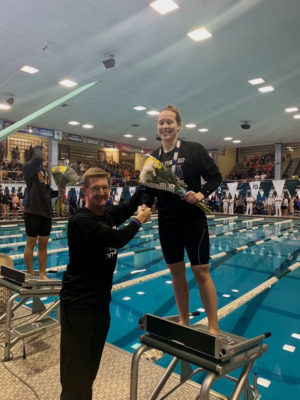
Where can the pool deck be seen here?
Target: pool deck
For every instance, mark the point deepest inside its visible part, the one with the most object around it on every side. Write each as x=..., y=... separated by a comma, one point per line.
x=40, y=371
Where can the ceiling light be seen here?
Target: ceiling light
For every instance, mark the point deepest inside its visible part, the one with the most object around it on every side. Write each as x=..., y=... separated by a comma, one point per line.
x=142, y=138
x=67, y=83
x=128, y=135
x=88, y=126
x=203, y=130
x=266, y=89
x=164, y=6
x=297, y=116
x=152, y=112
x=190, y=125
x=199, y=34
x=236, y=141
x=29, y=70
x=139, y=108
x=4, y=106
x=228, y=138
x=291, y=109
x=73, y=123
x=256, y=81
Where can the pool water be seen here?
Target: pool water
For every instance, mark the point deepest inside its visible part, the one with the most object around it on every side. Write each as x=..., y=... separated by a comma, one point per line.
x=245, y=253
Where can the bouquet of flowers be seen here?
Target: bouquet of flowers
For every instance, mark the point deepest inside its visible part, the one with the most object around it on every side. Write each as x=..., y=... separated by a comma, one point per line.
x=155, y=175
x=64, y=176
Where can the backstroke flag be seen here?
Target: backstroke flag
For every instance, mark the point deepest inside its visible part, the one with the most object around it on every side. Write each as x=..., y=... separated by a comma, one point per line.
x=232, y=186
x=254, y=186
x=278, y=185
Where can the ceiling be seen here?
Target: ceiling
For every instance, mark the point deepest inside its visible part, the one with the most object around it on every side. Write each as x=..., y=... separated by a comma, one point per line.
x=156, y=64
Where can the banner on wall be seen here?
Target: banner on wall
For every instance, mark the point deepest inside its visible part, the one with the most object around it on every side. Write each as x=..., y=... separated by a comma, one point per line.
x=254, y=186
x=278, y=185
x=33, y=130
x=71, y=137
x=90, y=141
x=232, y=186
x=105, y=143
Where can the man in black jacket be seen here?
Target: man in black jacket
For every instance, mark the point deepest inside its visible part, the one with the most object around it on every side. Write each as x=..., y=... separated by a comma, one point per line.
x=86, y=292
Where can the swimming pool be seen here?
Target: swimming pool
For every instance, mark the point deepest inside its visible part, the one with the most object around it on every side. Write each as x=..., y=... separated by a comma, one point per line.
x=245, y=253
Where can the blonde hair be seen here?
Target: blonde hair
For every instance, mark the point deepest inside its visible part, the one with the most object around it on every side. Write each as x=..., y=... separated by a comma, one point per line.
x=94, y=173
x=171, y=107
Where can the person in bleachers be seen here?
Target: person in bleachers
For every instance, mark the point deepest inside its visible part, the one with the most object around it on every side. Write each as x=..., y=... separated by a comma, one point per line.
x=296, y=203
x=231, y=205
x=15, y=203
x=239, y=205
x=259, y=207
x=271, y=204
x=285, y=206
x=250, y=201
x=278, y=204
x=5, y=200
x=225, y=202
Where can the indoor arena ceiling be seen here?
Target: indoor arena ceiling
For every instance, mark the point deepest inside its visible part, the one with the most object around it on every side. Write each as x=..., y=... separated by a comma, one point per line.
x=156, y=64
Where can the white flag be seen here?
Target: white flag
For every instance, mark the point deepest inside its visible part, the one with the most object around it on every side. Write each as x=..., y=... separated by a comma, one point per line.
x=232, y=188
x=278, y=185
x=254, y=186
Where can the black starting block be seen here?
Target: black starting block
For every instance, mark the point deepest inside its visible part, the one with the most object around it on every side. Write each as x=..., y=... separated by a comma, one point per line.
x=217, y=355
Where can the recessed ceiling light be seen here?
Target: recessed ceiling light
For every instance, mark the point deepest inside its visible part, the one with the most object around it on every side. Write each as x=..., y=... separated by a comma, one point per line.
x=291, y=109
x=142, y=138
x=256, y=81
x=203, y=130
x=297, y=116
x=199, y=34
x=29, y=70
x=4, y=106
x=73, y=123
x=67, y=83
x=88, y=126
x=236, y=141
x=164, y=6
x=152, y=112
x=266, y=89
x=228, y=138
x=128, y=135
x=190, y=125
x=139, y=108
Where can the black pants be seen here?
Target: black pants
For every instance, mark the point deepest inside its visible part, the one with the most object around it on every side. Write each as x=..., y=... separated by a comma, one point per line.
x=83, y=335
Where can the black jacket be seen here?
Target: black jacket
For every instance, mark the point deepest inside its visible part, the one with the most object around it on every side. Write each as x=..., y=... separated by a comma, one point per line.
x=93, y=242
x=38, y=185
x=193, y=163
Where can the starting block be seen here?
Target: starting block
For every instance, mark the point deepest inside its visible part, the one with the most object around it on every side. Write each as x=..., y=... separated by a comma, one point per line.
x=24, y=286
x=215, y=355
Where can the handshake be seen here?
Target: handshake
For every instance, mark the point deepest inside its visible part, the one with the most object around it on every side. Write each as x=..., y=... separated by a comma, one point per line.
x=143, y=213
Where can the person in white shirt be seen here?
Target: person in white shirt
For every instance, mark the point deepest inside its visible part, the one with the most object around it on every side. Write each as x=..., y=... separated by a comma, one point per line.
x=225, y=202
x=250, y=200
x=270, y=203
x=278, y=203
x=231, y=206
x=285, y=206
